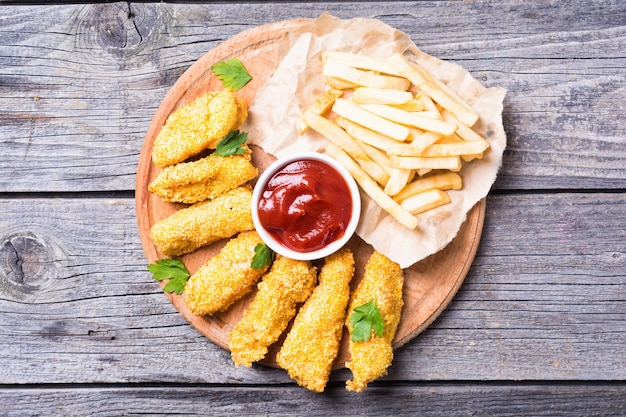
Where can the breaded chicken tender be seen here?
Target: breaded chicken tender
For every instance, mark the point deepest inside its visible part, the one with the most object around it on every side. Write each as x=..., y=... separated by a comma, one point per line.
x=382, y=281
x=197, y=126
x=203, y=223
x=225, y=278
x=204, y=179
x=313, y=342
x=287, y=283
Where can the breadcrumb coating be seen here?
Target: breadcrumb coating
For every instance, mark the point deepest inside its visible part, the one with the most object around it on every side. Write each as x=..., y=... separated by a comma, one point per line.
x=197, y=126
x=287, y=283
x=242, y=112
x=203, y=223
x=204, y=179
x=312, y=344
x=382, y=281
x=225, y=278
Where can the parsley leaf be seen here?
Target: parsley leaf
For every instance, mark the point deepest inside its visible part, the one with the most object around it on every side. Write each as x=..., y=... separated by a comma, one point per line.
x=172, y=269
x=263, y=256
x=232, y=73
x=231, y=144
x=365, y=318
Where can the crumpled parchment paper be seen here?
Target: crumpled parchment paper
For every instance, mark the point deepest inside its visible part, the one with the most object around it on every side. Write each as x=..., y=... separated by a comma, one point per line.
x=298, y=80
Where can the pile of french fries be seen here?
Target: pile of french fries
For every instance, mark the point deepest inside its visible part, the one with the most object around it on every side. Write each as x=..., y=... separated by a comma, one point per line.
x=401, y=132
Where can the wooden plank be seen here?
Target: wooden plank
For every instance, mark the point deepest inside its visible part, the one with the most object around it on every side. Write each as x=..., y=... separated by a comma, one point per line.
x=94, y=306
x=601, y=400
x=544, y=300
x=77, y=95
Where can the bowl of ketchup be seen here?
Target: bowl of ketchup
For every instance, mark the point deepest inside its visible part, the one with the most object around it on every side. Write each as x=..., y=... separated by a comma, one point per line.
x=306, y=206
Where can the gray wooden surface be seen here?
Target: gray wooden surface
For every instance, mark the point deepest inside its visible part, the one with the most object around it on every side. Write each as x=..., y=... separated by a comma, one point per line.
x=538, y=327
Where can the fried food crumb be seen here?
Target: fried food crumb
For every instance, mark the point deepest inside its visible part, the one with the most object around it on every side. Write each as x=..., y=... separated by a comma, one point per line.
x=383, y=281
x=312, y=344
x=204, y=223
x=197, y=126
x=225, y=278
x=204, y=179
x=287, y=283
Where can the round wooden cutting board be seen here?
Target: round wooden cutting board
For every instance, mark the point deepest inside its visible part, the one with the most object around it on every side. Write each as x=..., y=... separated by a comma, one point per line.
x=429, y=284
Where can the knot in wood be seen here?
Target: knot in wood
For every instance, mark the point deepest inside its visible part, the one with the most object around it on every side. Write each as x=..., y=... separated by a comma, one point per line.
x=27, y=263
x=119, y=29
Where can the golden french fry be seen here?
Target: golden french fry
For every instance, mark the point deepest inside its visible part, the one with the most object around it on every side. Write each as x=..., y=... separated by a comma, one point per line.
x=411, y=119
x=424, y=140
x=444, y=181
x=372, y=189
x=371, y=121
x=366, y=135
x=429, y=104
x=320, y=106
x=363, y=62
x=426, y=200
x=339, y=137
x=364, y=78
x=468, y=120
x=412, y=105
x=416, y=147
x=374, y=170
x=455, y=149
x=397, y=181
x=450, y=139
x=428, y=114
x=378, y=156
x=334, y=133
x=434, y=88
x=465, y=132
x=338, y=84
x=452, y=163
x=469, y=158
x=369, y=95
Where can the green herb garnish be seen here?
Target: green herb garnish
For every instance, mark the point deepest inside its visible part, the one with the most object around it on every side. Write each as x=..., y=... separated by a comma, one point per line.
x=172, y=269
x=231, y=144
x=365, y=318
x=263, y=256
x=232, y=73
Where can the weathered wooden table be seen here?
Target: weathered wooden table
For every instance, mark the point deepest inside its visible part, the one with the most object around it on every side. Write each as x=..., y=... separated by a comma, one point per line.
x=538, y=327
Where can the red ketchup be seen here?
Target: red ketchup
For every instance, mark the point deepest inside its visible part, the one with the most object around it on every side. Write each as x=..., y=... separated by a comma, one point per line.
x=306, y=205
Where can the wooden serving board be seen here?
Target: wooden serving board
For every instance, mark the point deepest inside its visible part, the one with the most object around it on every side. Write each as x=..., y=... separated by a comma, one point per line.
x=429, y=284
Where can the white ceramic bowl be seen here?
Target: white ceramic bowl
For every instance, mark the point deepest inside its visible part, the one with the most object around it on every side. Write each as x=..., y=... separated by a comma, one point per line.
x=330, y=248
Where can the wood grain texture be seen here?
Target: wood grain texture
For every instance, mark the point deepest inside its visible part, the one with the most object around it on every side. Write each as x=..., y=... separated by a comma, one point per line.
x=86, y=330
x=77, y=94
x=429, y=400
x=544, y=300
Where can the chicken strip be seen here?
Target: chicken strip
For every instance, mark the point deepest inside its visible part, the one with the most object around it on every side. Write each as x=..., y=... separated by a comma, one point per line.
x=382, y=282
x=197, y=126
x=225, y=278
x=313, y=342
x=204, y=179
x=203, y=223
x=287, y=283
